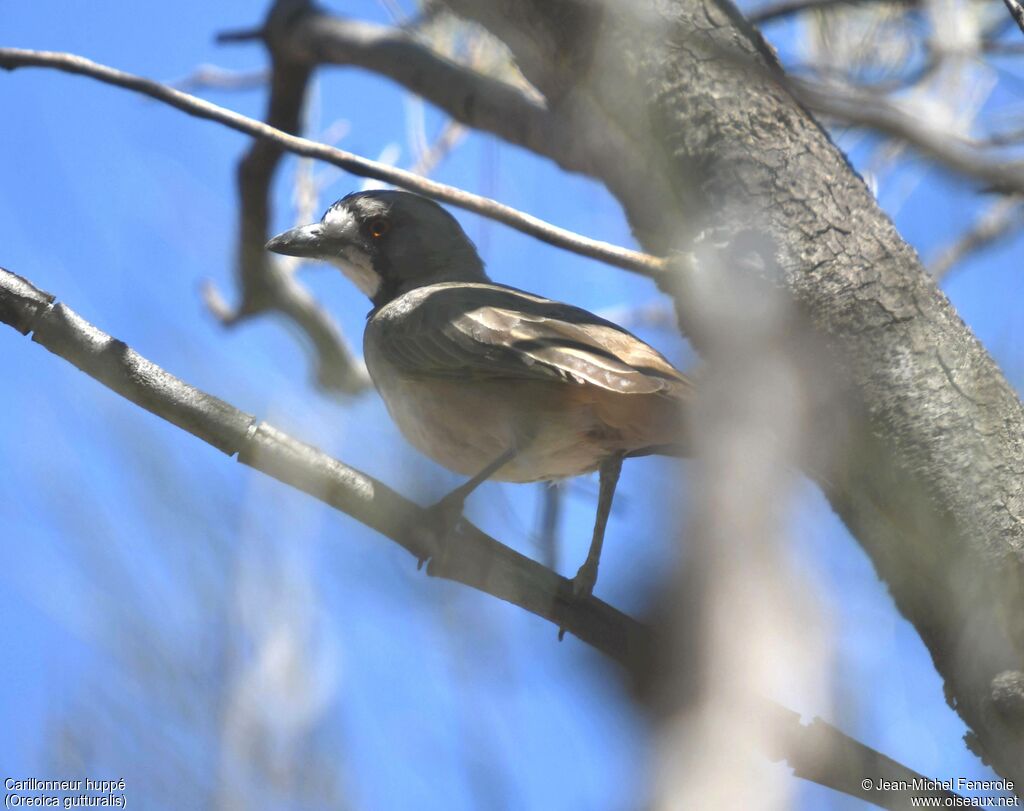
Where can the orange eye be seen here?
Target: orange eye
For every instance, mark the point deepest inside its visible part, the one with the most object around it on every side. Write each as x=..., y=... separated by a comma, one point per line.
x=379, y=227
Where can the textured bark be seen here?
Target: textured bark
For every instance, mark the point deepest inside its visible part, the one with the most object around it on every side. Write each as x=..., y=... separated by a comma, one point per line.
x=704, y=143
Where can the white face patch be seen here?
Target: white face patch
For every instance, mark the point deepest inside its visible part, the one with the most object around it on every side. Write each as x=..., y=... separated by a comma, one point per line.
x=341, y=227
x=356, y=266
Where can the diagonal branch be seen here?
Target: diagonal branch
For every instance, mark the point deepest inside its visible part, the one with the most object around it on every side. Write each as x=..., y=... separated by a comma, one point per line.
x=1003, y=219
x=644, y=264
x=816, y=751
x=475, y=559
x=957, y=154
x=1016, y=11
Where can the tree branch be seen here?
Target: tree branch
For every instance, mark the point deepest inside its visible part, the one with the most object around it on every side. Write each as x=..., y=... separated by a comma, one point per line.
x=475, y=559
x=644, y=264
x=267, y=284
x=1004, y=218
x=948, y=149
x=314, y=37
x=817, y=751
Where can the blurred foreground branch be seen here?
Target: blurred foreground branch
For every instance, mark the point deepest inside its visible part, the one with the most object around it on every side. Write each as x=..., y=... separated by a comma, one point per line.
x=817, y=752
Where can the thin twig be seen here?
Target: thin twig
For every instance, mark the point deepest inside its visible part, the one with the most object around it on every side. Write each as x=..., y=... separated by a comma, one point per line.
x=644, y=264
x=816, y=751
x=240, y=35
x=446, y=141
x=217, y=78
x=1004, y=218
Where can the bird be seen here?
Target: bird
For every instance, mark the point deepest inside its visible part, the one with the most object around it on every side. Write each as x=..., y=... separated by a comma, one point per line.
x=490, y=381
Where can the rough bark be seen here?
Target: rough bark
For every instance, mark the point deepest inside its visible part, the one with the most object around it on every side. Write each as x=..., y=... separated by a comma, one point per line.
x=702, y=141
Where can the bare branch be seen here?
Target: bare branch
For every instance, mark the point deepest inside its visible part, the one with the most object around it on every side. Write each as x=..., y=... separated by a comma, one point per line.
x=471, y=98
x=475, y=559
x=644, y=264
x=446, y=141
x=240, y=35
x=268, y=284
x=1002, y=219
x=818, y=751
x=955, y=153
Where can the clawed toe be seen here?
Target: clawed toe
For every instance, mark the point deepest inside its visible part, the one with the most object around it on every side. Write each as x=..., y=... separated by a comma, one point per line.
x=439, y=522
x=582, y=587
x=447, y=513
x=584, y=581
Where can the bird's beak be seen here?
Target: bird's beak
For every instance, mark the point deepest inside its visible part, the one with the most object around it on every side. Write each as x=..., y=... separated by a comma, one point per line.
x=306, y=241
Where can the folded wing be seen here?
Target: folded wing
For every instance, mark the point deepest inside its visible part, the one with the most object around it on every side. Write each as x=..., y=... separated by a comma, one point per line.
x=494, y=332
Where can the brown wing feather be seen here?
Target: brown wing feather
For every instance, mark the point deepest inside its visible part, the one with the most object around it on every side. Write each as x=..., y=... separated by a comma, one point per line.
x=491, y=331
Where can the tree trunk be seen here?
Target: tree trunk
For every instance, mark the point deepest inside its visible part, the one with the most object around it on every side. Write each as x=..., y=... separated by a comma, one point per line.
x=682, y=112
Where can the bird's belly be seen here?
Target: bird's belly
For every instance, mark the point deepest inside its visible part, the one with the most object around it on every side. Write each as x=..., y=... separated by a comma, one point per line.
x=465, y=425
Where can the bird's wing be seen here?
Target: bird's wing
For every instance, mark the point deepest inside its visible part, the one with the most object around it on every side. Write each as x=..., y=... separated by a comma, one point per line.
x=495, y=332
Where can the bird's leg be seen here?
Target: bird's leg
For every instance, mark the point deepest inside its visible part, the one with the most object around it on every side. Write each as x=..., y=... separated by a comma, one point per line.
x=446, y=513
x=586, y=577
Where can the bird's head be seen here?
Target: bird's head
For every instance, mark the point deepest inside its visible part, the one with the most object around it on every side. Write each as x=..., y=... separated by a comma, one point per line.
x=387, y=243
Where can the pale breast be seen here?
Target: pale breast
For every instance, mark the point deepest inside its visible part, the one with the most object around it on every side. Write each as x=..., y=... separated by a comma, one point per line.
x=466, y=425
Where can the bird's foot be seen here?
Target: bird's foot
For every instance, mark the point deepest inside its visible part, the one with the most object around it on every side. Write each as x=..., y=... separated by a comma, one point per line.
x=582, y=587
x=584, y=581
x=439, y=523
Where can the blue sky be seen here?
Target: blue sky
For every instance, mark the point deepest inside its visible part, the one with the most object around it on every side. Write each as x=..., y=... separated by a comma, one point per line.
x=146, y=577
